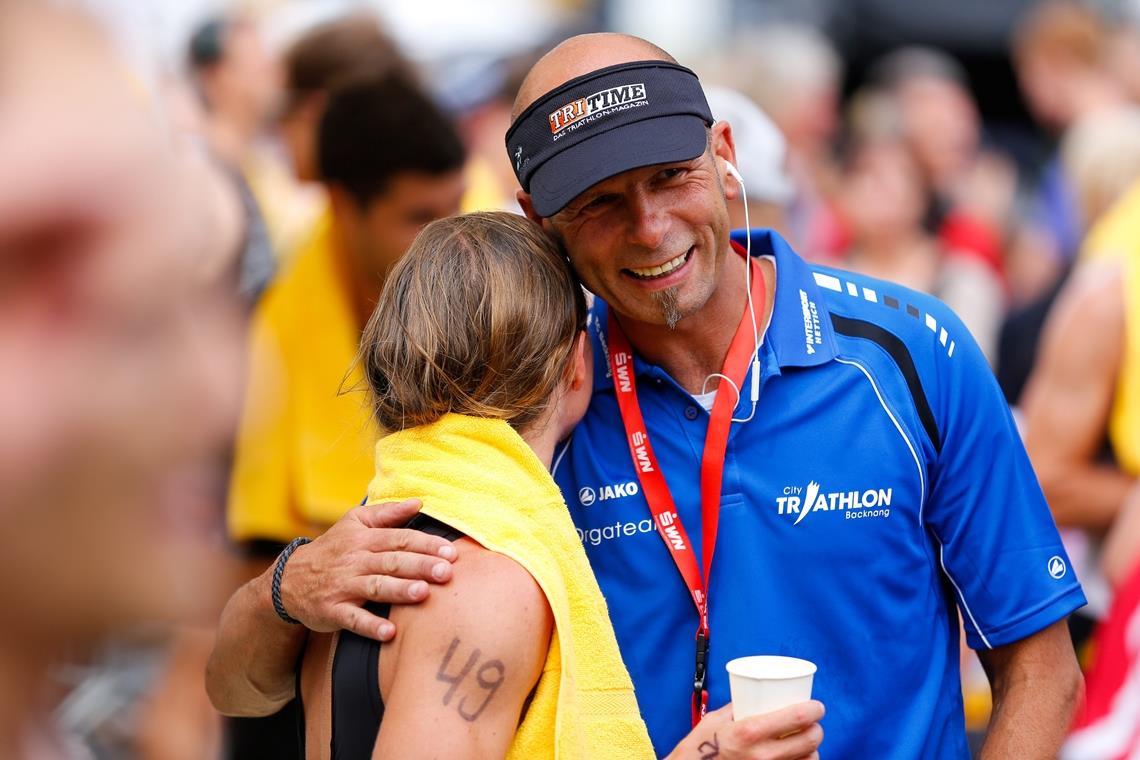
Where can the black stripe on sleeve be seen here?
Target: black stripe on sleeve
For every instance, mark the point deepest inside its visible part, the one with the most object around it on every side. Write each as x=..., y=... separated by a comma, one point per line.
x=897, y=350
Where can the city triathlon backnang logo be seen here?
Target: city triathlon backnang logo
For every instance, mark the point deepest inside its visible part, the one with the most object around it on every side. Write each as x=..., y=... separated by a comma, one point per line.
x=601, y=103
x=798, y=502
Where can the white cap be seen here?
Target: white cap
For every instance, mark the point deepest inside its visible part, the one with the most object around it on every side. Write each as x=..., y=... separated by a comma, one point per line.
x=761, y=149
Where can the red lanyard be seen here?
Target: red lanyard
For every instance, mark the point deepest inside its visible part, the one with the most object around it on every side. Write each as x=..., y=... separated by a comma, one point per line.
x=653, y=484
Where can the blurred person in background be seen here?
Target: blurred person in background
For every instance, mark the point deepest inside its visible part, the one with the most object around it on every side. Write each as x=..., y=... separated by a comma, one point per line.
x=1062, y=57
x=391, y=163
x=1081, y=407
x=238, y=84
x=1123, y=54
x=971, y=189
x=318, y=62
x=1060, y=52
x=120, y=362
x=761, y=155
x=1101, y=153
x=1107, y=727
x=491, y=178
x=324, y=58
x=794, y=75
x=884, y=200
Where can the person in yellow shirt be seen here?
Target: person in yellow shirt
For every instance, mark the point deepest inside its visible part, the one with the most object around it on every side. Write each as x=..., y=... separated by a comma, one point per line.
x=1085, y=388
x=392, y=162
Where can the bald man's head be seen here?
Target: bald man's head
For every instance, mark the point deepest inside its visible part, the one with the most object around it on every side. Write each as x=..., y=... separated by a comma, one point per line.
x=599, y=105
x=580, y=55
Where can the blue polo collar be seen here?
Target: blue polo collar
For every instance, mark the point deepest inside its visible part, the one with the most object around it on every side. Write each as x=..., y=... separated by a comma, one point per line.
x=799, y=334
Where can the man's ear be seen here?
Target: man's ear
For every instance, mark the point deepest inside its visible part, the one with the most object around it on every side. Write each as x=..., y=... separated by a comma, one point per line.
x=723, y=147
x=349, y=216
x=312, y=106
x=340, y=201
x=527, y=206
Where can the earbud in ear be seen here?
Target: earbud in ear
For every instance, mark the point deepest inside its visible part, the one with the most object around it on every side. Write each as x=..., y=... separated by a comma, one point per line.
x=732, y=172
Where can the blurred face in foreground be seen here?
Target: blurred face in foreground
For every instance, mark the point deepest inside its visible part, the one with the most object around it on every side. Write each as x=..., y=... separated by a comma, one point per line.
x=118, y=392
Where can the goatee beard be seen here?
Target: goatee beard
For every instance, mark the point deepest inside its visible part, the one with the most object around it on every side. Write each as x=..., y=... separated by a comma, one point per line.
x=670, y=308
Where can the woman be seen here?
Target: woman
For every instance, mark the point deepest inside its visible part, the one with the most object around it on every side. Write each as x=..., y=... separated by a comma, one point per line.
x=476, y=360
x=884, y=200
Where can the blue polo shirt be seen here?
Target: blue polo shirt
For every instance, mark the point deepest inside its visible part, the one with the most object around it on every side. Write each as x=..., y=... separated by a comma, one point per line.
x=880, y=491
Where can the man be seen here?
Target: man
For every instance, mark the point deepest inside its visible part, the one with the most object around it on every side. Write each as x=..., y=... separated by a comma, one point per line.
x=871, y=481
x=392, y=163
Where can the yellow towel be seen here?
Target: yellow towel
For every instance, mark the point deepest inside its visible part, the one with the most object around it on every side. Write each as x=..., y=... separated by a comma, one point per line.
x=481, y=478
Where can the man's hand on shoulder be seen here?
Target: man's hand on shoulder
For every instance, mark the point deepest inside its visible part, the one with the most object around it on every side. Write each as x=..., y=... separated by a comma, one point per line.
x=792, y=733
x=324, y=587
x=362, y=558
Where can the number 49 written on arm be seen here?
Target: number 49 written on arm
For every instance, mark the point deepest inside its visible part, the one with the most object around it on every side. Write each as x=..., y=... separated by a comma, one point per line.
x=488, y=677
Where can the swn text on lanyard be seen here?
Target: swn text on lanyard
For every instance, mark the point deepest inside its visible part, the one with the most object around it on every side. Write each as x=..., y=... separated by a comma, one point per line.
x=653, y=484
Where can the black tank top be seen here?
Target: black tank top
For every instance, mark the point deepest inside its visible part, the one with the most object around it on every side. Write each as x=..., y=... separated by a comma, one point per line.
x=357, y=708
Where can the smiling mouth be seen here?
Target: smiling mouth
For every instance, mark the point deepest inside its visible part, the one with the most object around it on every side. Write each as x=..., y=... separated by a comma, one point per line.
x=653, y=273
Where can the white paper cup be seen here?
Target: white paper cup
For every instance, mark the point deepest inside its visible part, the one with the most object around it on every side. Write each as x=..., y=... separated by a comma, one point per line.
x=766, y=683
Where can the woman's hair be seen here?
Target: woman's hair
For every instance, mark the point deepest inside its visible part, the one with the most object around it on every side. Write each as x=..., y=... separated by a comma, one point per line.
x=1101, y=157
x=480, y=317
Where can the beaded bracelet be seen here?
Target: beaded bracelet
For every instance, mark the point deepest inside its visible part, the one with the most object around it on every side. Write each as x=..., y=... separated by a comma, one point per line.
x=278, y=571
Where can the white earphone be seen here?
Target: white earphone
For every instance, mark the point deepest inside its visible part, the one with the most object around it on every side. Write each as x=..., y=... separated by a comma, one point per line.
x=733, y=172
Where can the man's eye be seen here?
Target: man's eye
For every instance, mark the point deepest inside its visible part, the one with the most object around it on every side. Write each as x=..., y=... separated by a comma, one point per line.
x=671, y=173
x=598, y=202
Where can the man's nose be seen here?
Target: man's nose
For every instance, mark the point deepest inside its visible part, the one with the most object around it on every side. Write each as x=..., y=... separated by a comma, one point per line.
x=648, y=223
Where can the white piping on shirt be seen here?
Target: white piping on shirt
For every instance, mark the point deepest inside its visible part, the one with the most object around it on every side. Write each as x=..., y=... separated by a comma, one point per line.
x=922, y=503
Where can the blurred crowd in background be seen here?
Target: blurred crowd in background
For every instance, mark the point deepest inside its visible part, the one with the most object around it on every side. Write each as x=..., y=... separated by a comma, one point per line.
x=199, y=203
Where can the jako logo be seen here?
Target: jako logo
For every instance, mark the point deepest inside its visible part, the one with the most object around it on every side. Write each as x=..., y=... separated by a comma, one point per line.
x=666, y=521
x=588, y=496
x=1057, y=567
x=875, y=502
x=603, y=100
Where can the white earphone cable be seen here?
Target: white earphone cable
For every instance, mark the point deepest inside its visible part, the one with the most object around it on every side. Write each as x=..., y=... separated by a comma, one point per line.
x=755, y=394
